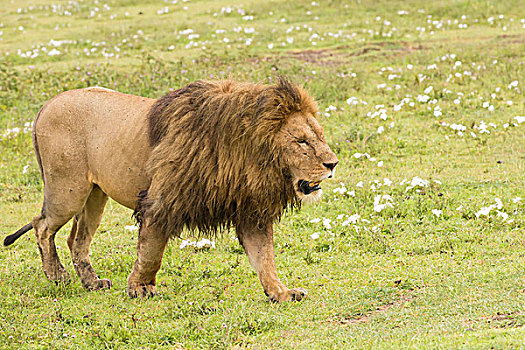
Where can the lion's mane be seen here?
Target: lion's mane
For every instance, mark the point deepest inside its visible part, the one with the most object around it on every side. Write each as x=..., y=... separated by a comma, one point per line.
x=215, y=159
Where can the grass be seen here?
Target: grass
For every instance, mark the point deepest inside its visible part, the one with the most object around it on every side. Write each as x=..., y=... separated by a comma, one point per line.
x=431, y=270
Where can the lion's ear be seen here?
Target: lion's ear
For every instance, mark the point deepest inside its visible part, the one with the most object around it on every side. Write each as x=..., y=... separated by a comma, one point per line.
x=277, y=102
x=269, y=114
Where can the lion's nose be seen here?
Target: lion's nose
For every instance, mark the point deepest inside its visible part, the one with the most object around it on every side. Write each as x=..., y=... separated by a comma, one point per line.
x=330, y=166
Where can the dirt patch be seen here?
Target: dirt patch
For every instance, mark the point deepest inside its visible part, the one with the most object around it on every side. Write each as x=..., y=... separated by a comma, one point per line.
x=326, y=56
x=338, y=55
x=514, y=38
x=382, y=308
x=501, y=320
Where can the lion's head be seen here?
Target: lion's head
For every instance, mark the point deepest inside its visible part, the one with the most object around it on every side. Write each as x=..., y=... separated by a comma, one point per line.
x=225, y=150
x=307, y=155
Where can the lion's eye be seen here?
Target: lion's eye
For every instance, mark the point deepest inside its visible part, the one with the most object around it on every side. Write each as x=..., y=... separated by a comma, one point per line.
x=303, y=142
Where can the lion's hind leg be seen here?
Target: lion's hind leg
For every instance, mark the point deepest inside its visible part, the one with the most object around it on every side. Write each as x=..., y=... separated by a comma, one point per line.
x=45, y=230
x=62, y=200
x=85, y=224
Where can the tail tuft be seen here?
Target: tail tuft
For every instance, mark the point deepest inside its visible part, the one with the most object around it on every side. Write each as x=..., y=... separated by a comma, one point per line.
x=12, y=238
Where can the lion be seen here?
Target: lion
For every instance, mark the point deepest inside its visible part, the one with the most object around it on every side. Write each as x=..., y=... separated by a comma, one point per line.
x=210, y=156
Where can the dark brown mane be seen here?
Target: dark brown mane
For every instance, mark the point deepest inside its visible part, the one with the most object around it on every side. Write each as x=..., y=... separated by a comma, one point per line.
x=215, y=159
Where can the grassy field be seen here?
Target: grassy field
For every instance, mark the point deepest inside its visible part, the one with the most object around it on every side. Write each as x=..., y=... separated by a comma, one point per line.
x=419, y=241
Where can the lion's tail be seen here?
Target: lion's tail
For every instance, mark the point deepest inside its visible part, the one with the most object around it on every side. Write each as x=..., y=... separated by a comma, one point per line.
x=12, y=238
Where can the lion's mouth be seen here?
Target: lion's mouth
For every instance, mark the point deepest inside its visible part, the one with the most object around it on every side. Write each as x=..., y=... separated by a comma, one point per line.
x=307, y=187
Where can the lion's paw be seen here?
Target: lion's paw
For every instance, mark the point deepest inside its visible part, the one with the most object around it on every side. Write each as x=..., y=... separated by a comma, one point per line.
x=142, y=291
x=296, y=294
x=59, y=276
x=98, y=284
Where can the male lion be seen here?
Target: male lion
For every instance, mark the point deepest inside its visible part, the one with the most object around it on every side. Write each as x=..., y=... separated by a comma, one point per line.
x=211, y=155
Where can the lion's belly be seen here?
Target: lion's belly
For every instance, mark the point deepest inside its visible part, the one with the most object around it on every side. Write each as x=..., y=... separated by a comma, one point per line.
x=124, y=180
x=118, y=154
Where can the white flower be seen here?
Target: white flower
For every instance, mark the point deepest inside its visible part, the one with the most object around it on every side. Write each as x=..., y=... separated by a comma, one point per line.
x=499, y=203
x=483, y=211
x=458, y=127
x=185, y=244
x=380, y=129
x=520, y=119
x=422, y=98
x=377, y=200
x=359, y=184
x=351, y=220
x=131, y=227
x=437, y=212
x=387, y=182
x=459, y=208
x=417, y=181
x=380, y=163
x=53, y=52
x=516, y=200
x=314, y=235
x=513, y=84
x=352, y=101
x=340, y=190
x=326, y=223
x=503, y=215
x=205, y=243
x=315, y=221
x=428, y=90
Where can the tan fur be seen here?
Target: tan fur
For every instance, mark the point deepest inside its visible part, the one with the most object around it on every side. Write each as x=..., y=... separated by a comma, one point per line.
x=211, y=155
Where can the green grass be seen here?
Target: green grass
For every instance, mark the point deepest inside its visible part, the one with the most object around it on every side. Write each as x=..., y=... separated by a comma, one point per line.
x=403, y=277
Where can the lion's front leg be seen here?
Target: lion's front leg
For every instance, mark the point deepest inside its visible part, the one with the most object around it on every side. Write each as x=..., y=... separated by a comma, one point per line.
x=257, y=241
x=150, y=248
